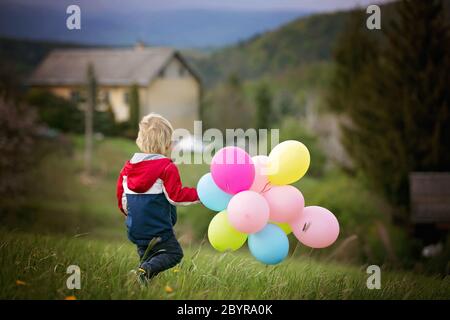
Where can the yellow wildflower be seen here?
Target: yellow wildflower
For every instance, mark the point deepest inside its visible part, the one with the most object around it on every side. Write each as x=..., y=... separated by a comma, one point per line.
x=21, y=283
x=168, y=289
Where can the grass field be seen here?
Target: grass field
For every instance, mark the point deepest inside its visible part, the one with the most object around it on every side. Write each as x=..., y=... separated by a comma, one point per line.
x=68, y=220
x=34, y=267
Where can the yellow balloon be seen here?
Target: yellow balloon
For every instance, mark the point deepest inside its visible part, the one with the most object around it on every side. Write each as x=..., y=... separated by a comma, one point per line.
x=222, y=236
x=288, y=162
x=284, y=226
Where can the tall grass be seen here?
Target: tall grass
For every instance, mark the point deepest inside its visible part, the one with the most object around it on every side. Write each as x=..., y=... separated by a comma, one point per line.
x=34, y=267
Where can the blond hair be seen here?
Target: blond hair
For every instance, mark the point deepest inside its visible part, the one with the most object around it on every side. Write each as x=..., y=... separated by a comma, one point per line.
x=155, y=134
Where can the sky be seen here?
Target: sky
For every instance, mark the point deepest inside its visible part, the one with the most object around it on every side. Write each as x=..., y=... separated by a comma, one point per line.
x=179, y=23
x=233, y=5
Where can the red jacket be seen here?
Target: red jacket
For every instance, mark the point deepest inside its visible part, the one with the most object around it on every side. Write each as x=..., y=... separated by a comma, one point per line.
x=147, y=191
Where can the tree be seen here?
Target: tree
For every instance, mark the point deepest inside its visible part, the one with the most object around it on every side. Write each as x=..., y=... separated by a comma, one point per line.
x=230, y=108
x=134, y=107
x=396, y=99
x=356, y=52
x=89, y=118
x=263, y=102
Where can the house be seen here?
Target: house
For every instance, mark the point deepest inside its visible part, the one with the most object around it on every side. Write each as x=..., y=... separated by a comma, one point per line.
x=167, y=85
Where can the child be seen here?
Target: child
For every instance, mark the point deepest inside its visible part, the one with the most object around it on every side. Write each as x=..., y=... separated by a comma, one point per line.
x=148, y=189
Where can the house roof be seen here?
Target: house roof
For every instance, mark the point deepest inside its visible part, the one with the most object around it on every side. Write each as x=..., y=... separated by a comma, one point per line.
x=111, y=66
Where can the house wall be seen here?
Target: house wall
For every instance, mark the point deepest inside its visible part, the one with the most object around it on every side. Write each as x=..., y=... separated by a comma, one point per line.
x=118, y=102
x=63, y=92
x=174, y=96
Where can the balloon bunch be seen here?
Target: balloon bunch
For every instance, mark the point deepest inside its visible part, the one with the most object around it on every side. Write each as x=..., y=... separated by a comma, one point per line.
x=255, y=201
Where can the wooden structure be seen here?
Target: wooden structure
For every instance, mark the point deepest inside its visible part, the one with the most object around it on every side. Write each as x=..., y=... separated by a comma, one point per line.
x=430, y=198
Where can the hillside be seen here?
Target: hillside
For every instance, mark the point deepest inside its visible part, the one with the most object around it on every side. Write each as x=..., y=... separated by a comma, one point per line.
x=304, y=41
x=300, y=42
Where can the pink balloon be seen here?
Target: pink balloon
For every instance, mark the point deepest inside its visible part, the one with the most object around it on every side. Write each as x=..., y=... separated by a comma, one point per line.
x=261, y=181
x=317, y=227
x=248, y=212
x=286, y=203
x=232, y=170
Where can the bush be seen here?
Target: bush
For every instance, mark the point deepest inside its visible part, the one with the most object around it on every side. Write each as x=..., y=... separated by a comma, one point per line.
x=56, y=112
x=64, y=115
x=17, y=145
x=360, y=213
x=227, y=106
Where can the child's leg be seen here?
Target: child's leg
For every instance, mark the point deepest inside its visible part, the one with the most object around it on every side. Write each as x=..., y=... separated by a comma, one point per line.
x=164, y=256
x=141, y=251
x=161, y=262
x=145, y=252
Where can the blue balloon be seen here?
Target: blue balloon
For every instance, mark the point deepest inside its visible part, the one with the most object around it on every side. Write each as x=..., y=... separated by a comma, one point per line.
x=270, y=245
x=211, y=195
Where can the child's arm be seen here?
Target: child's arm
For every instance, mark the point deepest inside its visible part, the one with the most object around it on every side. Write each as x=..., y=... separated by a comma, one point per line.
x=175, y=193
x=119, y=191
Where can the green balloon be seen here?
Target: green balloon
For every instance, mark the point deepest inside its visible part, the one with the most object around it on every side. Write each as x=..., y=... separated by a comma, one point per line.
x=284, y=226
x=222, y=236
